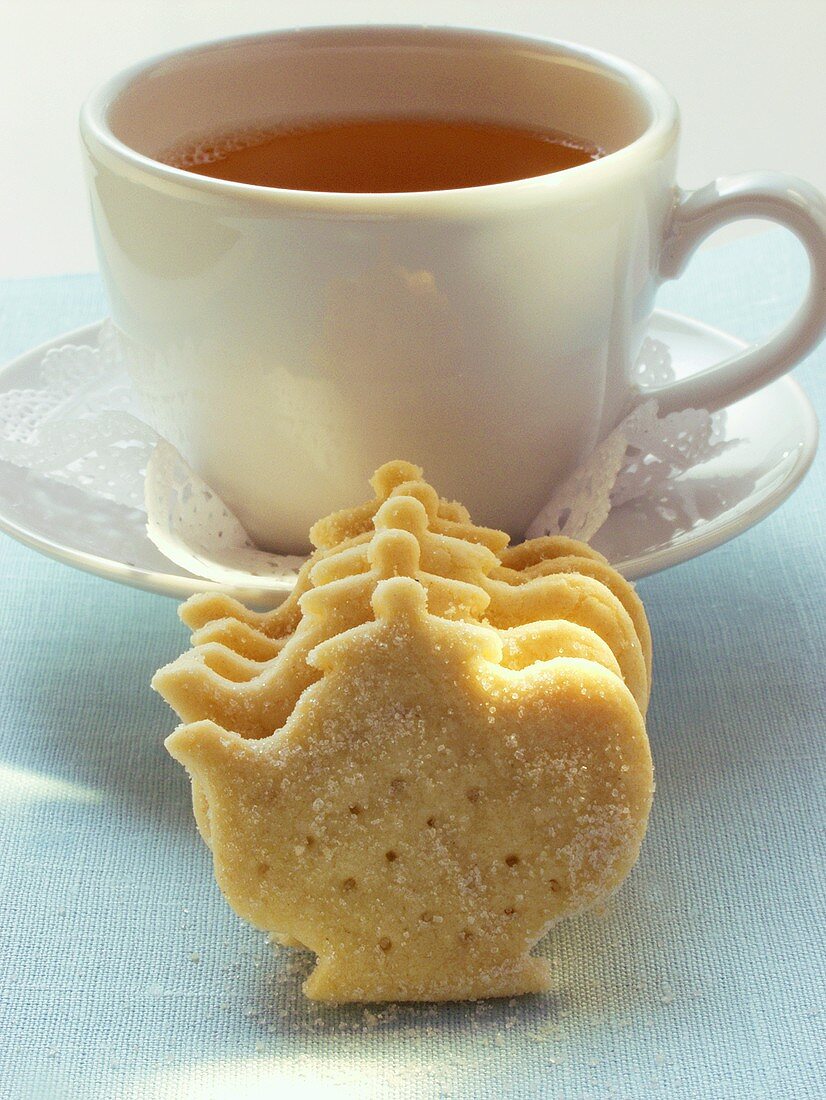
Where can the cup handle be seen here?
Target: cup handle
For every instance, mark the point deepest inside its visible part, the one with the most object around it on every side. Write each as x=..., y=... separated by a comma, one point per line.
x=777, y=197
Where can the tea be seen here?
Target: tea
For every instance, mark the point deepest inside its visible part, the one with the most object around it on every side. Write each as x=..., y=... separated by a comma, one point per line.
x=384, y=155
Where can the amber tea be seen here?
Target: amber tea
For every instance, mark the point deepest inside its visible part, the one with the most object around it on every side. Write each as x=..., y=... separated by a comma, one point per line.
x=384, y=155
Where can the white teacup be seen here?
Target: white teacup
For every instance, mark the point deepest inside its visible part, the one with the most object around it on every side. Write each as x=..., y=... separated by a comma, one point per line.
x=289, y=342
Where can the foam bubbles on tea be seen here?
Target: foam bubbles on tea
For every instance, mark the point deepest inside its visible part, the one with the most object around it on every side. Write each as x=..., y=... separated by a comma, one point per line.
x=373, y=155
x=199, y=154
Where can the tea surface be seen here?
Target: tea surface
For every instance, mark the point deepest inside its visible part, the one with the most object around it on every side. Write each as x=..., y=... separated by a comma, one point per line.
x=374, y=155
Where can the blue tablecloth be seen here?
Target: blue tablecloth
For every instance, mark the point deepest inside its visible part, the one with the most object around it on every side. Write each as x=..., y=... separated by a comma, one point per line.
x=125, y=975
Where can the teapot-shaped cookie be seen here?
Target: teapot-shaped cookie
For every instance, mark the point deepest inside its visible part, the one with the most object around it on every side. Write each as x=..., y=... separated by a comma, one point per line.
x=425, y=814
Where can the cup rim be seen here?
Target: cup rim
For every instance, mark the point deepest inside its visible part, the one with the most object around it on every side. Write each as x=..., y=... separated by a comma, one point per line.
x=653, y=140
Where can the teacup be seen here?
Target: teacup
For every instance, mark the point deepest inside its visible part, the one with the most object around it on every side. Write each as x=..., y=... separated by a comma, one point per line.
x=289, y=342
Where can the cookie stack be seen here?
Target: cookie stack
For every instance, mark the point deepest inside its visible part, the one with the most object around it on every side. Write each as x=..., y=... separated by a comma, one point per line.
x=430, y=752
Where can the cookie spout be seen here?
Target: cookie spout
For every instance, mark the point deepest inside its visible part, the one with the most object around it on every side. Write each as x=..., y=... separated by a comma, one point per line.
x=206, y=750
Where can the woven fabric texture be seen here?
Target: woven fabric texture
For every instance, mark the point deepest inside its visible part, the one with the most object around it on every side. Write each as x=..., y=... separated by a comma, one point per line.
x=124, y=974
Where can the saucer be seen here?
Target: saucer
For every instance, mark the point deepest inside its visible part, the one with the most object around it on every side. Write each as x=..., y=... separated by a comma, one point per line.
x=773, y=438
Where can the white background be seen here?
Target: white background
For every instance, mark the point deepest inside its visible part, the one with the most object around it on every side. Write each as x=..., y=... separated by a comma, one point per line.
x=747, y=73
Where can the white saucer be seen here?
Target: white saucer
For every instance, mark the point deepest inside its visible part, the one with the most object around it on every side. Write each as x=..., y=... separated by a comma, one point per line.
x=776, y=439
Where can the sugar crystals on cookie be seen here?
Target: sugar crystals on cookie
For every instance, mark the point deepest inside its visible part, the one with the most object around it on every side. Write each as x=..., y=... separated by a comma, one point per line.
x=436, y=752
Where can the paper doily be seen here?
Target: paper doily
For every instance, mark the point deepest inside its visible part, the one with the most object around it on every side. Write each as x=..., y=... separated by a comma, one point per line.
x=83, y=427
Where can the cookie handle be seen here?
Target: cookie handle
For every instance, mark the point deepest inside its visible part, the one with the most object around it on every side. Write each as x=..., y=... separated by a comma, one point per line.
x=777, y=197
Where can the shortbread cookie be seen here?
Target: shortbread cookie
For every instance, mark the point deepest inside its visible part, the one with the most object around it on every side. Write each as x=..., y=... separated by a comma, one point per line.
x=488, y=692
x=207, y=607
x=243, y=639
x=255, y=698
x=261, y=636
x=243, y=678
x=419, y=833
x=212, y=682
x=331, y=535
x=524, y=555
x=543, y=641
x=455, y=551
x=613, y=581
x=403, y=479
x=426, y=814
x=577, y=599
x=536, y=641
